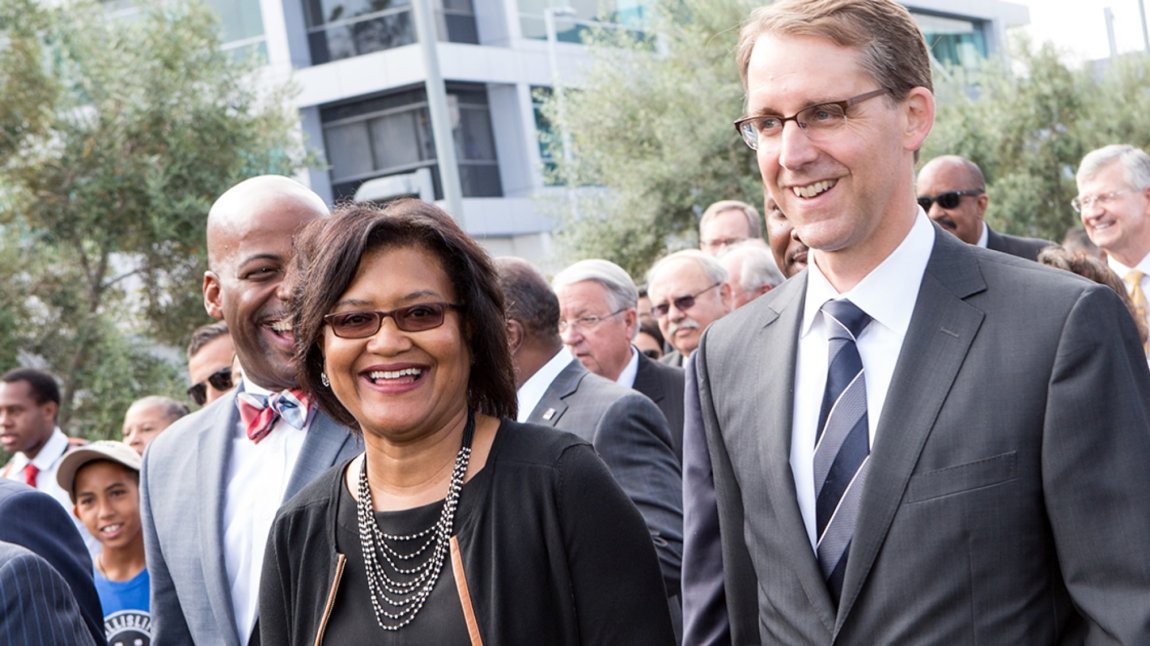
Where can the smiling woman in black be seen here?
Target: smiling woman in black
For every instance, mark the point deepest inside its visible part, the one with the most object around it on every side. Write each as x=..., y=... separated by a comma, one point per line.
x=457, y=525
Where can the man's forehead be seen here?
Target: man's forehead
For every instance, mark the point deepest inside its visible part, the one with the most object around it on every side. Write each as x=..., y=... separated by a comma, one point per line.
x=682, y=276
x=779, y=78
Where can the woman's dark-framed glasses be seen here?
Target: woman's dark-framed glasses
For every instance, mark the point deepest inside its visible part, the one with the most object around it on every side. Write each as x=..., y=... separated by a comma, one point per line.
x=947, y=200
x=683, y=303
x=362, y=324
x=220, y=380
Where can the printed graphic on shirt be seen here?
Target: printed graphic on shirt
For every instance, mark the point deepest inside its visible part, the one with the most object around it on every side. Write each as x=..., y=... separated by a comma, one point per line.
x=128, y=628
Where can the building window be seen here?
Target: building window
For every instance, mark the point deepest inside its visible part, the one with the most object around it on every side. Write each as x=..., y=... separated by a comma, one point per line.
x=953, y=41
x=391, y=135
x=241, y=28
x=340, y=29
x=627, y=14
x=545, y=132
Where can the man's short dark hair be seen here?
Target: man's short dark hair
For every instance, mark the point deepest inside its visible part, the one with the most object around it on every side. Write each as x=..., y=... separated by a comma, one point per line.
x=42, y=385
x=529, y=298
x=204, y=335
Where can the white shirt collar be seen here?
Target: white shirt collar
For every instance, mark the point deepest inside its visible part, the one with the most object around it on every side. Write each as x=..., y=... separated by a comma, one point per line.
x=883, y=293
x=984, y=239
x=1122, y=270
x=52, y=450
x=627, y=377
x=532, y=390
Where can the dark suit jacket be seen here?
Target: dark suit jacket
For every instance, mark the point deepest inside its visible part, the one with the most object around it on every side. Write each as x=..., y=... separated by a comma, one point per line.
x=1006, y=500
x=182, y=510
x=1028, y=248
x=37, y=607
x=663, y=385
x=631, y=436
x=36, y=521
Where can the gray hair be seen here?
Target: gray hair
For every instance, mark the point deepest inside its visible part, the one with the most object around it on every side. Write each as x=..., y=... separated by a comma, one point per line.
x=758, y=268
x=621, y=290
x=709, y=265
x=171, y=409
x=1135, y=164
x=754, y=222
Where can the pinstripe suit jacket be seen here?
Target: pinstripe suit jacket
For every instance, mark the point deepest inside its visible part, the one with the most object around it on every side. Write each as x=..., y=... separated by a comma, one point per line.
x=37, y=608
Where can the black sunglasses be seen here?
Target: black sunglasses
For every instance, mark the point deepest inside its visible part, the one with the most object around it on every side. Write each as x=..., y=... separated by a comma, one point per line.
x=220, y=380
x=684, y=303
x=362, y=324
x=947, y=200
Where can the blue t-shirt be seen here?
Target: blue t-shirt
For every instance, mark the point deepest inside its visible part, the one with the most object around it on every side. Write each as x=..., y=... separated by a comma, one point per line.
x=127, y=619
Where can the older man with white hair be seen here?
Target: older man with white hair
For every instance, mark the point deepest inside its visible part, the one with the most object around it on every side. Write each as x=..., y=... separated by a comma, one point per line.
x=751, y=270
x=598, y=324
x=688, y=291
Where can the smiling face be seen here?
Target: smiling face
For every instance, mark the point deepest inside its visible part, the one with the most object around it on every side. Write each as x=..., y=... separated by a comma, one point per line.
x=250, y=248
x=399, y=385
x=849, y=195
x=108, y=503
x=1120, y=225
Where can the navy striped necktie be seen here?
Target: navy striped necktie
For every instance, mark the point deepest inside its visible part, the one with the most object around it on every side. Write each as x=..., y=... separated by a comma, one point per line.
x=842, y=446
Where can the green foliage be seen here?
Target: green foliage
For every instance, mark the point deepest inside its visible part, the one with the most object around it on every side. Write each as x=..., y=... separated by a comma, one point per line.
x=117, y=134
x=655, y=129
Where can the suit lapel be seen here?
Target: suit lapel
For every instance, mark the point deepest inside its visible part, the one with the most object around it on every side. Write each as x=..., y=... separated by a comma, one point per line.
x=553, y=404
x=941, y=330
x=777, y=415
x=323, y=444
x=213, y=456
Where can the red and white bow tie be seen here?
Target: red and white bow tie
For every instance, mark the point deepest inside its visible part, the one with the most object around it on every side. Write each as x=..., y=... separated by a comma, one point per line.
x=260, y=412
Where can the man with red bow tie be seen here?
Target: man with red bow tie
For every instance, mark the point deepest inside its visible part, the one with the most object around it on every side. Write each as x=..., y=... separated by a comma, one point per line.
x=212, y=483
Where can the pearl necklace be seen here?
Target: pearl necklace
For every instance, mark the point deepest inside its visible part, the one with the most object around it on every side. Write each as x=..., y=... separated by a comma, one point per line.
x=405, y=589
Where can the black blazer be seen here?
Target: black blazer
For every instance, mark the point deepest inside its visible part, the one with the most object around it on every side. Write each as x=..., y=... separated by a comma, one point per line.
x=663, y=384
x=1028, y=248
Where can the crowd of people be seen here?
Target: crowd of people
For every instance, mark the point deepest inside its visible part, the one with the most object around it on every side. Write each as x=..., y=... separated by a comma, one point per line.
x=883, y=423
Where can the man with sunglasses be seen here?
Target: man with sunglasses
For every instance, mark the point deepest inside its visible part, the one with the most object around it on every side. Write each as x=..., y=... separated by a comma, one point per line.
x=689, y=291
x=951, y=190
x=212, y=482
x=914, y=440
x=210, y=356
x=604, y=344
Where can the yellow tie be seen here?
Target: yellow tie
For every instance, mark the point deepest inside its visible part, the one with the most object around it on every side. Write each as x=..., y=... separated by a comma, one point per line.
x=1137, y=296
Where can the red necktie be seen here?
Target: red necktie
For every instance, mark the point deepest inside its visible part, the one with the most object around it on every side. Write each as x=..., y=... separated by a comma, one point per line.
x=259, y=413
x=30, y=473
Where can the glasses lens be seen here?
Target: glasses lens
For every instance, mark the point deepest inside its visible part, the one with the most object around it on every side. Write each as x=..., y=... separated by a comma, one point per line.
x=949, y=200
x=355, y=325
x=419, y=317
x=221, y=379
x=684, y=303
x=198, y=393
x=925, y=202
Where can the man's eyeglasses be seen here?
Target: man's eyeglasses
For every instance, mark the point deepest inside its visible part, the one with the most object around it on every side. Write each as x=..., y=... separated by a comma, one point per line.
x=683, y=303
x=362, y=324
x=1087, y=202
x=947, y=200
x=817, y=121
x=587, y=322
x=220, y=380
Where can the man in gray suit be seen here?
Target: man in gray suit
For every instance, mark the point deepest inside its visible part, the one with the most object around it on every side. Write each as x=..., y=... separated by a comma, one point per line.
x=212, y=482
x=952, y=191
x=626, y=428
x=953, y=449
x=598, y=300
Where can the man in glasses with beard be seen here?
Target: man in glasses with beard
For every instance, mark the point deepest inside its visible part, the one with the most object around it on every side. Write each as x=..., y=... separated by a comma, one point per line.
x=952, y=191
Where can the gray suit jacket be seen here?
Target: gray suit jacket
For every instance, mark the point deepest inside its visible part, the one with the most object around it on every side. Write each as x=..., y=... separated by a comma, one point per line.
x=663, y=384
x=37, y=607
x=1006, y=501
x=1028, y=248
x=182, y=509
x=631, y=436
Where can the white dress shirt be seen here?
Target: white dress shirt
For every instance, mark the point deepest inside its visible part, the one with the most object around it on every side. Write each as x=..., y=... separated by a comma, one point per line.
x=532, y=390
x=887, y=294
x=627, y=377
x=257, y=477
x=48, y=462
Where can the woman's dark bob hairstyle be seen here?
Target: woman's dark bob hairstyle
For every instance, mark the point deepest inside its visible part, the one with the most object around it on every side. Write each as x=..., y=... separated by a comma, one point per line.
x=328, y=255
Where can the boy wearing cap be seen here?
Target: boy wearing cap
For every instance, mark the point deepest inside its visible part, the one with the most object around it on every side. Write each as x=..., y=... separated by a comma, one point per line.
x=103, y=479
